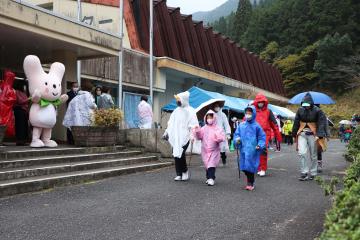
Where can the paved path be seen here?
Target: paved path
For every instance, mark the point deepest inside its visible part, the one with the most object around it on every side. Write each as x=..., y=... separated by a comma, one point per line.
x=152, y=206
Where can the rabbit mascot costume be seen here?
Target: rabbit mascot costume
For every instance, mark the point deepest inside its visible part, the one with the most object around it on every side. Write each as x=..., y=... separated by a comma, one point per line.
x=45, y=93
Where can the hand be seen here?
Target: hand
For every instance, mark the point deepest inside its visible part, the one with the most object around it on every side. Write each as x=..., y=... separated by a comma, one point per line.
x=228, y=137
x=196, y=128
x=257, y=147
x=237, y=140
x=64, y=98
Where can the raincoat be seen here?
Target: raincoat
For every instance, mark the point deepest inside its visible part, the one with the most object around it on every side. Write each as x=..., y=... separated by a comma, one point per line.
x=181, y=122
x=251, y=135
x=287, y=127
x=7, y=101
x=80, y=110
x=211, y=136
x=145, y=115
x=223, y=123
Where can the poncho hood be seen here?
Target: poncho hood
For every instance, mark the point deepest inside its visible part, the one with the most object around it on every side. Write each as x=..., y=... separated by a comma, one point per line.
x=214, y=117
x=253, y=113
x=308, y=99
x=261, y=98
x=184, y=98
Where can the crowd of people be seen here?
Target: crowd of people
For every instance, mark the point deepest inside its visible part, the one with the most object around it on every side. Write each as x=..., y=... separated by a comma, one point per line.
x=252, y=136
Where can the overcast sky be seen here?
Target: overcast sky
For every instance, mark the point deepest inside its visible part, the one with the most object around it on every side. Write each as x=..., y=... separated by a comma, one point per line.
x=191, y=6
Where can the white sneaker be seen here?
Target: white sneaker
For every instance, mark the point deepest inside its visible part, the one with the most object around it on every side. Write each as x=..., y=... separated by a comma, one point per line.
x=258, y=173
x=207, y=181
x=211, y=182
x=185, y=176
x=262, y=173
x=178, y=178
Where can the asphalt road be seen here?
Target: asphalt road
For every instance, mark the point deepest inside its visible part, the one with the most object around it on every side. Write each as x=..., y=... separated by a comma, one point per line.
x=152, y=206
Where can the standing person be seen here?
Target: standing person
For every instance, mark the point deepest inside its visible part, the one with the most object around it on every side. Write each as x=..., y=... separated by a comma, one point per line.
x=105, y=101
x=181, y=123
x=71, y=94
x=250, y=138
x=145, y=113
x=288, y=126
x=21, y=113
x=7, y=101
x=267, y=121
x=210, y=136
x=97, y=95
x=223, y=123
x=309, y=127
x=342, y=132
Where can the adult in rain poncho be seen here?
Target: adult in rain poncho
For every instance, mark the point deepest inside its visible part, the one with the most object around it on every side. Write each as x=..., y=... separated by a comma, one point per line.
x=211, y=137
x=309, y=129
x=250, y=139
x=223, y=123
x=80, y=110
x=145, y=113
x=179, y=133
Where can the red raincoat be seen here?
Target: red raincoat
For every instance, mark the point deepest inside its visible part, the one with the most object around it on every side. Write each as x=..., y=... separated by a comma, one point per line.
x=267, y=121
x=7, y=101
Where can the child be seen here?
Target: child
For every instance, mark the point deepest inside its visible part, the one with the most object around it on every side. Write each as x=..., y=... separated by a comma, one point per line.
x=250, y=138
x=211, y=136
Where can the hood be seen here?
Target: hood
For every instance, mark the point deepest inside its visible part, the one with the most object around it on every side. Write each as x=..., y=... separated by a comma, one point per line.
x=184, y=98
x=253, y=112
x=260, y=98
x=9, y=78
x=308, y=99
x=214, y=115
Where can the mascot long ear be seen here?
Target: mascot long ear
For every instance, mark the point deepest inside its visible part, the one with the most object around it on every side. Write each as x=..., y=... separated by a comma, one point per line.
x=32, y=67
x=57, y=70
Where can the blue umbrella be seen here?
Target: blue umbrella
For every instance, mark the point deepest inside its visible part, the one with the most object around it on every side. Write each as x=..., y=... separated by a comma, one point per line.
x=319, y=98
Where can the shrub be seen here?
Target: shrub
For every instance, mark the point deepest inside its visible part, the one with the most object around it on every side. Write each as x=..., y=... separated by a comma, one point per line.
x=354, y=146
x=107, y=117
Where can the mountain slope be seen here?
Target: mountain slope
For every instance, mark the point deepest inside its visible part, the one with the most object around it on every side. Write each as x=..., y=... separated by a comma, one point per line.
x=221, y=11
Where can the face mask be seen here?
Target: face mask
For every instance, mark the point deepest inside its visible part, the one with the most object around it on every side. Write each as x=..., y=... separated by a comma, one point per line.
x=260, y=105
x=75, y=89
x=248, y=117
x=217, y=109
x=210, y=121
x=178, y=103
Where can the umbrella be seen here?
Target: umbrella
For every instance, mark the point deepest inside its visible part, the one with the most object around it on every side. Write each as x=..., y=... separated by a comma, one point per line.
x=208, y=105
x=345, y=122
x=319, y=98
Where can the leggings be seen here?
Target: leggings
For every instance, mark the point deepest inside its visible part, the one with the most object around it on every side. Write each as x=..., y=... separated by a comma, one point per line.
x=250, y=177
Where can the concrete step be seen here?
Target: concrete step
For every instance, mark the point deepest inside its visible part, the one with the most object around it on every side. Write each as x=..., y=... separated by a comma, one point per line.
x=13, y=163
x=31, y=184
x=7, y=153
x=32, y=171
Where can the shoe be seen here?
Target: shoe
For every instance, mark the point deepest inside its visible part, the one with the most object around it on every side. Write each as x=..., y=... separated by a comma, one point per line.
x=262, y=173
x=303, y=177
x=178, y=178
x=211, y=182
x=312, y=177
x=207, y=181
x=258, y=173
x=185, y=176
x=250, y=188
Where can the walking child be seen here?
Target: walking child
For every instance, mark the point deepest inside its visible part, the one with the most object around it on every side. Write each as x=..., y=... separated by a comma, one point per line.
x=211, y=137
x=250, y=139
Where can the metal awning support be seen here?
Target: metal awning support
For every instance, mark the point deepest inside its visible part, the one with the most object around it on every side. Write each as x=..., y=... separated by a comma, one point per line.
x=121, y=55
x=151, y=59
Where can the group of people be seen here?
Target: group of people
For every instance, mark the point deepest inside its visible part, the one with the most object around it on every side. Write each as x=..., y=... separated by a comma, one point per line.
x=251, y=137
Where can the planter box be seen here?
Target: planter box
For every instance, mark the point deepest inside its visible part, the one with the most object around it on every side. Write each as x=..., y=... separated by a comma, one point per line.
x=95, y=136
x=2, y=133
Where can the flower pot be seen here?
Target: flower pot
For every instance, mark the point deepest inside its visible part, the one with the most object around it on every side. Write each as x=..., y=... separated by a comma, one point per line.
x=2, y=133
x=95, y=136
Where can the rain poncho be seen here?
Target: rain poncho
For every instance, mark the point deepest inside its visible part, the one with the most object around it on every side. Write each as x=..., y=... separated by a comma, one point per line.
x=80, y=110
x=7, y=101
x=180, y=124
x=223, y=123
x=145, y=115
x=251, y=135
x=211, y=136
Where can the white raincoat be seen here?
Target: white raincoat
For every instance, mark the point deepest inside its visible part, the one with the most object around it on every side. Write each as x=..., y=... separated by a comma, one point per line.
x=145, y=115
x=223, y=123
x=80, y=110
x=180, y=125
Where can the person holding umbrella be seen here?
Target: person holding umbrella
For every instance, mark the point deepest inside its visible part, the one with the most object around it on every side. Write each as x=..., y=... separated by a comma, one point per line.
x=179, y=133
x=309, y=130
x=223, y=123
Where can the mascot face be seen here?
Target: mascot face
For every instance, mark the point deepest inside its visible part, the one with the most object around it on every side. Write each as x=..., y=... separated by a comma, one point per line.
x=47, y=84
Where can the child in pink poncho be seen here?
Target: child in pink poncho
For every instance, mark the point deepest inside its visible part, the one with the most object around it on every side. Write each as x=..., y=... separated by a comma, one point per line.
x=211, y=136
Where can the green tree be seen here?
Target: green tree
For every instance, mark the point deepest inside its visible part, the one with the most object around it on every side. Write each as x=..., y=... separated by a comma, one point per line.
x=242, y=19
x=222, y=26
x=270, y=53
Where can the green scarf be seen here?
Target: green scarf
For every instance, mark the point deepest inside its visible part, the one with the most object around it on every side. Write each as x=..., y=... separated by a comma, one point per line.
x=45, y=103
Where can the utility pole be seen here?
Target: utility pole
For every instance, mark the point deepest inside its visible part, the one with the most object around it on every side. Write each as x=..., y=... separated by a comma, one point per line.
x=151, y=51
x=121, y=55
x=78, y=62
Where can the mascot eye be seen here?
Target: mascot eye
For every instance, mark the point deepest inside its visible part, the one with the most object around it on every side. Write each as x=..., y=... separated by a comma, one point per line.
x=46, y=83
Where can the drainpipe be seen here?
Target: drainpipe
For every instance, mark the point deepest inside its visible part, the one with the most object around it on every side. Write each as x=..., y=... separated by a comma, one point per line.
x=151, y=25
x=121, y=55
x=78, y=62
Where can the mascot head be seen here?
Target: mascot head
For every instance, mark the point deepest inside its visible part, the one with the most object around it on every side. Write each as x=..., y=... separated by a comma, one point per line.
x=48, y=84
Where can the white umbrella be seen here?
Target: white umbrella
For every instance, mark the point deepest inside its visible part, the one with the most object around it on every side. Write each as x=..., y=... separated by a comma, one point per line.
x=206, y=106
x=345, y=122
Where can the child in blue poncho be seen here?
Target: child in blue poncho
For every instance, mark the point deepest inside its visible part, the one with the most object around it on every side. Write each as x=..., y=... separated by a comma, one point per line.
x=250, y=139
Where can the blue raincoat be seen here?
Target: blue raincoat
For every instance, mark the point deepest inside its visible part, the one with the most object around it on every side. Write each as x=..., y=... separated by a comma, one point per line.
x=251, y=135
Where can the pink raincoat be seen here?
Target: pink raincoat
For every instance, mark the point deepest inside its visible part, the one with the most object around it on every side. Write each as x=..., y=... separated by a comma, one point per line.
x=211, y=136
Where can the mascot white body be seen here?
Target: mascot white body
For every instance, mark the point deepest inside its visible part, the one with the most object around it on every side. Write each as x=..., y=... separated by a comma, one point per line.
x=45, y=92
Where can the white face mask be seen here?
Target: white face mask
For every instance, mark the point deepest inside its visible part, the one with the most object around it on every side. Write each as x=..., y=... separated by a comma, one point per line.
x=248, y=117
x=217, y=109
x=260, y=105
x=210, y=121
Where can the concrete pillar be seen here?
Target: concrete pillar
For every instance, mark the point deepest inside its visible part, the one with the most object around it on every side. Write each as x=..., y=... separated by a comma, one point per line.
x=69, y=59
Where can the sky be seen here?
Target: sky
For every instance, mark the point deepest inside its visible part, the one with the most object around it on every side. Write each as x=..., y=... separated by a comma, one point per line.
x=191, y=6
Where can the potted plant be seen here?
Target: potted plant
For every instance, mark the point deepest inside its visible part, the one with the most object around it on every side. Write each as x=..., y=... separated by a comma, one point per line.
x=103, y=130
x=2, y=133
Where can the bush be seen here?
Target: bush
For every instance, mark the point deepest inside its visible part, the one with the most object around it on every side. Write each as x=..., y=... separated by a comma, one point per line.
x=342, y=222
x=107, y=117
